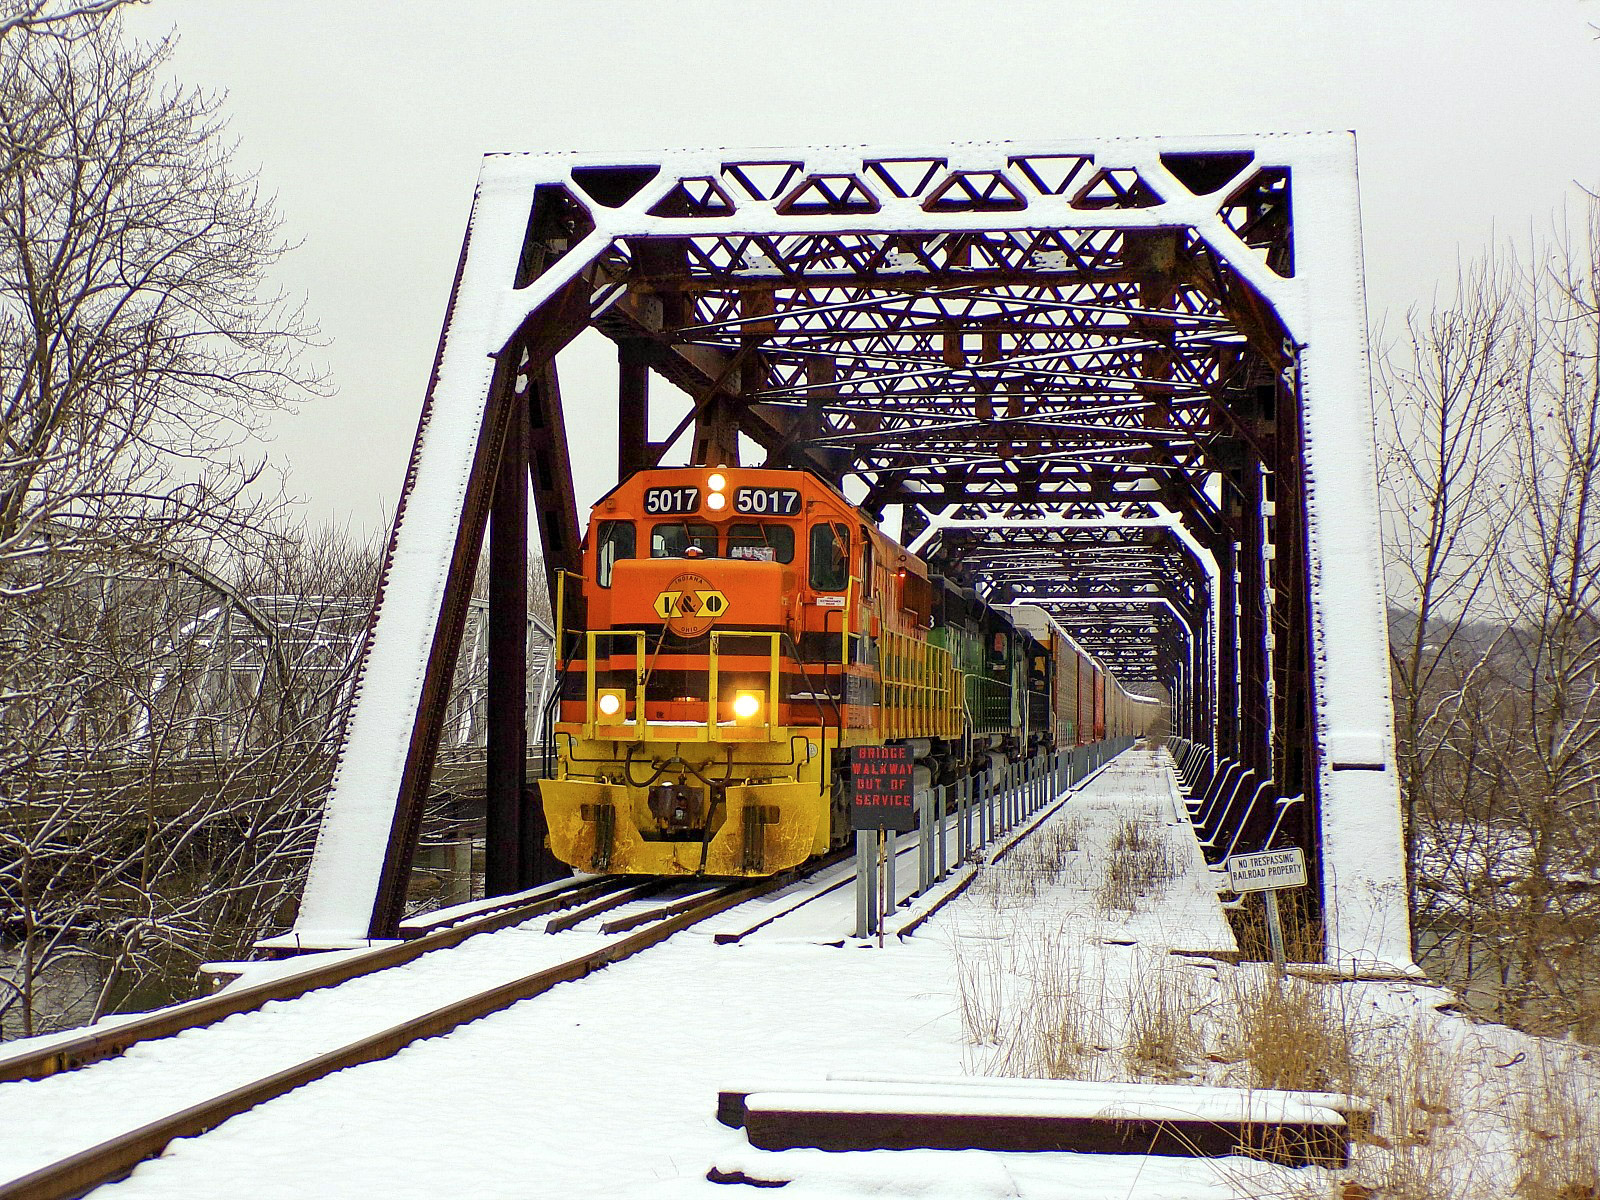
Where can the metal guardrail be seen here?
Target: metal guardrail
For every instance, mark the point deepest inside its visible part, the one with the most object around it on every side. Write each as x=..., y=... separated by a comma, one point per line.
x=1233, y=812
x=982, y=808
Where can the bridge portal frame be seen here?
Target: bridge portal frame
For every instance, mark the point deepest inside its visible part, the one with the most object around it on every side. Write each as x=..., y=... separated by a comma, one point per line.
x=543, y=259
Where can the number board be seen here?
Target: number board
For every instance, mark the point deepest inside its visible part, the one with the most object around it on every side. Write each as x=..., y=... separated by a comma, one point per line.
x=882, y=786
x=764, y=501
x=658, y=501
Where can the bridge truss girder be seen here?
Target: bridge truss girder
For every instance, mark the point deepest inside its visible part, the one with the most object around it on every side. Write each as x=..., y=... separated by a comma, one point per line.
x=1097, y=332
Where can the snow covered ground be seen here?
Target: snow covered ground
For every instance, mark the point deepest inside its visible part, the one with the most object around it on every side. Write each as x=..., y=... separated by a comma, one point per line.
x=608, y=1087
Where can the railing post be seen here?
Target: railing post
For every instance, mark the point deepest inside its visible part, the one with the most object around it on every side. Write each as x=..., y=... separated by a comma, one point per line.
x=944, y=849
x=866, y=882
x=891, y=899
x=964, y=811
x=924, y=840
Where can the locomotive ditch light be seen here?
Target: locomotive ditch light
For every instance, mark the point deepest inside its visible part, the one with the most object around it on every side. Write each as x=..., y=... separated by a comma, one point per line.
x=611, y=702
x=747, y=706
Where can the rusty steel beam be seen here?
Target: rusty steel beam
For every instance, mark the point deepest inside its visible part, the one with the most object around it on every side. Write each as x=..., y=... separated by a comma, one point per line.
x=507, y=749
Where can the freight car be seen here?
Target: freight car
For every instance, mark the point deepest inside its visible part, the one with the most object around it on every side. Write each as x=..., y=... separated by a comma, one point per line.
x=736, y=633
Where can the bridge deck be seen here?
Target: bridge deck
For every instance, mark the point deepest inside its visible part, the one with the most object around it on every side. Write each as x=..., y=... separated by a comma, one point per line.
x=609, y=1086
x=1137, y=791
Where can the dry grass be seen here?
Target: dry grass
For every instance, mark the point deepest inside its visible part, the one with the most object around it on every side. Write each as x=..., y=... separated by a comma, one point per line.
x=1038, y=863
x=980, y=983
x=1295, y=1035
x=1558, y=1132
x=1026, y=1009
x=1455, y=1114
x=1162, y=1039
x=1412, y=1151
x=1054, y=1034
x=1302, y=933
x=1141, y=865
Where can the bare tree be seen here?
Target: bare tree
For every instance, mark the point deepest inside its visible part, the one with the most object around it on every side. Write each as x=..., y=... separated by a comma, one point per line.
x=1550, y=581
x=1492, y=477
x=1444, y=412
x=140, y=348
x=53, y=16
x=165, y=809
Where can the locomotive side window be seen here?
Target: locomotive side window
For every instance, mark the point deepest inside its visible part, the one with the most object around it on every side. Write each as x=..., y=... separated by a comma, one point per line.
x=761, y=542
x=683, y=539
x=830, y=557
x=617, y=541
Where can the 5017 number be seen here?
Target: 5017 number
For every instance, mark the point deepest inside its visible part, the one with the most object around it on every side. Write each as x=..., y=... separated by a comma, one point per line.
x=775, y=502
x=672, y=500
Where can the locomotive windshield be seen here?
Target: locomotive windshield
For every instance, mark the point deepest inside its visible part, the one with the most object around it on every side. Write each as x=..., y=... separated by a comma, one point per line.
x=683, y=539
x=754, y=541
x=761, y=542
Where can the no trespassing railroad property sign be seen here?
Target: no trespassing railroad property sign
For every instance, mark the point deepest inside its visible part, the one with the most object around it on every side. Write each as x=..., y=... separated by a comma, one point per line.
x=1267, y=871
x=882, y=788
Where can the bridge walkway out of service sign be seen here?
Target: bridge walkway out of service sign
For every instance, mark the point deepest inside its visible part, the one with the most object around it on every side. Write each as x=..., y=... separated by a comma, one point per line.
x=882, y=786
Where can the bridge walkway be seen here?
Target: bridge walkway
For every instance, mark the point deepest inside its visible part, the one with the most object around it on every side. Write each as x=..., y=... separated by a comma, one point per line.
x=608, y=1086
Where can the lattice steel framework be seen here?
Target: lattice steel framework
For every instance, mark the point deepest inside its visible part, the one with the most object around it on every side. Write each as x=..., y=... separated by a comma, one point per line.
x=1122, y=378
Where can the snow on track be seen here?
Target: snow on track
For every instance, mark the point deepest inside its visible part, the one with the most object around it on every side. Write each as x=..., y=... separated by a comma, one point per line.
x=607, y=1086
x=42, y=1121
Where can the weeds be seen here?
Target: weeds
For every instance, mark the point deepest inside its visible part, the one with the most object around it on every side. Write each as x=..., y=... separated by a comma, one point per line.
x=1297, y=1036
x=1456, y=1112
x=1141, y=865
x=979, y=980
x=1162, y=1038
x=1038, y=863
x=1414, y=1083
x=1558, y=1132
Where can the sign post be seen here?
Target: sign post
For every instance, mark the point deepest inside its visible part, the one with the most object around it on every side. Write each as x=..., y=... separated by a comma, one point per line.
x=1268, y=872
x=882, y=799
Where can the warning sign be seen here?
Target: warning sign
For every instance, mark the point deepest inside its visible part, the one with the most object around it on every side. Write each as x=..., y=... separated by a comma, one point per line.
x=689, y=604
x=883, y=788
x=1267, y=871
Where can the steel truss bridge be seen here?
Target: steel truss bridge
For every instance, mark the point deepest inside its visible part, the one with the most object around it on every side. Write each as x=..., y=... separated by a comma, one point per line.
x=1124, y=379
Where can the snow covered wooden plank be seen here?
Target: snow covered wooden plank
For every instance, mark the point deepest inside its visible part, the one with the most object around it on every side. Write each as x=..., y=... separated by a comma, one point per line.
x=1113, y=1120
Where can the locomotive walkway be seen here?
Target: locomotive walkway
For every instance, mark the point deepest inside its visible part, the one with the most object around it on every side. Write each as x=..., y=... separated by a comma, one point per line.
x=608, y=1086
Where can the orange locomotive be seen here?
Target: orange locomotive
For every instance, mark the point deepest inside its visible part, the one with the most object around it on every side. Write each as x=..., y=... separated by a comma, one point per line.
x=743, y=629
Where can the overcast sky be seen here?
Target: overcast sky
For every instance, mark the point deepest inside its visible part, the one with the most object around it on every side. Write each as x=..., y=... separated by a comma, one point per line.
x=367, y=120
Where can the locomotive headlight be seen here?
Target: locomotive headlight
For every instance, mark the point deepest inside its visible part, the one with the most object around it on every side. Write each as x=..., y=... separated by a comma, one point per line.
x=747, y=705
x=716, y=501
x=610, y=703
x=717, y=482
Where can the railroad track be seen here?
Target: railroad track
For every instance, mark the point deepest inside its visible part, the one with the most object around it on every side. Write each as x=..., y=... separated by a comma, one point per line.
x=641, y=916
x=98, y=1045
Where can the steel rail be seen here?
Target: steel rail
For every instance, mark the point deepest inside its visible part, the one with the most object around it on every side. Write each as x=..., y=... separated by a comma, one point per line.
x=98, y=1045
x=116, y=1157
